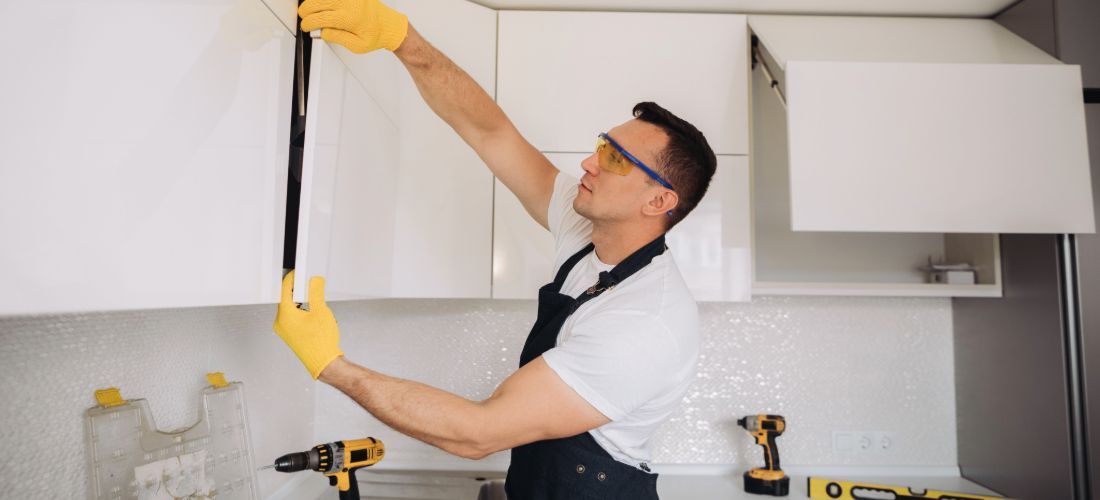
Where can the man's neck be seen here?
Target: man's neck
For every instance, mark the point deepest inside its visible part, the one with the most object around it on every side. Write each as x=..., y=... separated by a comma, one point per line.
x=614, y=243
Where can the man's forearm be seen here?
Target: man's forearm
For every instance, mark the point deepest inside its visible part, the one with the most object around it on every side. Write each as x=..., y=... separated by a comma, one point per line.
x=450, y=91
x=423, y=412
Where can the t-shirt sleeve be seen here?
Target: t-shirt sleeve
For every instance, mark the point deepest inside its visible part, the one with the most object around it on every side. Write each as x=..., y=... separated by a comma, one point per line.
x=616, y=361
x=571, y=231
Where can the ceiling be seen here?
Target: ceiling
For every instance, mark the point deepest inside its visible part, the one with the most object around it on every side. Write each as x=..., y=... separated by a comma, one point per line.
x=930, y=8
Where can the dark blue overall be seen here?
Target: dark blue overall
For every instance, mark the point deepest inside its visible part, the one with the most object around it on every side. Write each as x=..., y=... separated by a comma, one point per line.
x=575, y=467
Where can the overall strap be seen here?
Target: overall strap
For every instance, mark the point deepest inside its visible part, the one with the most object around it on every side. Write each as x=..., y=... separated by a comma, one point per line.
x=563, y=271
x=630, y=265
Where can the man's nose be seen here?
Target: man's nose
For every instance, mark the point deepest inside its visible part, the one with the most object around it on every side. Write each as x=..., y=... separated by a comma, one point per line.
x=591, y=165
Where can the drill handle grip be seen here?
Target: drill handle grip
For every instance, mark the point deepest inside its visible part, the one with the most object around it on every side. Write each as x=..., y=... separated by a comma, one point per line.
x=771, y=453
x=348, y=485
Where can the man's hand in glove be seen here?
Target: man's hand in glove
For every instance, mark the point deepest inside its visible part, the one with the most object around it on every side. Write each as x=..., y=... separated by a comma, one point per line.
x=359, y=25
x=312, y=334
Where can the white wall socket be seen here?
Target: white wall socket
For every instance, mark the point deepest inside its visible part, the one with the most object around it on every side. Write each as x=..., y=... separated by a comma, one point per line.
x=864, y=442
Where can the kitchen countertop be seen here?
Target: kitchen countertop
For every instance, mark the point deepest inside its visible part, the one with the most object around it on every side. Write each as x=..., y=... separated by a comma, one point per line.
x=677, y=482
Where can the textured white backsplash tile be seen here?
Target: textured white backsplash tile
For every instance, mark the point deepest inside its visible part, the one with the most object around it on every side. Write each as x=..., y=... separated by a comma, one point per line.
x=51, y=365
x=826, y=363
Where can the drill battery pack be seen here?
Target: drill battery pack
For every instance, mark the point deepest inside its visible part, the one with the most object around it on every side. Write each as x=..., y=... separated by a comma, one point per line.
x=767, y=482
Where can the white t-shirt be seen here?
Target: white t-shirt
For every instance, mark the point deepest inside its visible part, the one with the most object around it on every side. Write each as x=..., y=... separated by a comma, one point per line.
x=631, y=352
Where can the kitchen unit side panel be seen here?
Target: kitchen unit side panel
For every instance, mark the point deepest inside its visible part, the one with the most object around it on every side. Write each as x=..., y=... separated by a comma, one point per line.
x=1010, y=377
x=144, y=167
x=566, y=76
x=1088, y=273
x=1079, y=38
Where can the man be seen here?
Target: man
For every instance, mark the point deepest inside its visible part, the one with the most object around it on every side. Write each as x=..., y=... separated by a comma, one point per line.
x=615, y=343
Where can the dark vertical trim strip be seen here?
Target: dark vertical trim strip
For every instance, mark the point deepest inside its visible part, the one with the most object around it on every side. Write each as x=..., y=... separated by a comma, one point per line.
x=1073, y=343
x=300, y=95
x=1092, y=96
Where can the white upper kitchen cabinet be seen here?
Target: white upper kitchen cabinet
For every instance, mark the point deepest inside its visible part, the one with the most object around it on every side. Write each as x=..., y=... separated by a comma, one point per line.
x=712, y=245
x=927, y=126
x=349, y=177
x=145, y=154
x=440, y=194
x=564, y=77
x=523, y=251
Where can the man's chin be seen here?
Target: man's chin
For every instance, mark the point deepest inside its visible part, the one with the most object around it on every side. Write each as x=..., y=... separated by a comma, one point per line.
x=581, y=209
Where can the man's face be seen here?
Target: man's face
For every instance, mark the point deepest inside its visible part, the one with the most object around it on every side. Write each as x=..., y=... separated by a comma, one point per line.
x=607, y=197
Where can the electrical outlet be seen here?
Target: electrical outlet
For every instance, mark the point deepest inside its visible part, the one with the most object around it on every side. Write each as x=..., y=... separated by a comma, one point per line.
x=864, y=442
x=885, y=442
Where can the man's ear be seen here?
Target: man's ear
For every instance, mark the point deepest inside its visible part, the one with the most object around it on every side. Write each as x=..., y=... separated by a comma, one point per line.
x=661, y=203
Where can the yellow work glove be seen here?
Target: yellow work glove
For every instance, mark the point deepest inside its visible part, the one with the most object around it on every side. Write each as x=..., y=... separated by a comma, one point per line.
x=359, y=25
x=312, y=334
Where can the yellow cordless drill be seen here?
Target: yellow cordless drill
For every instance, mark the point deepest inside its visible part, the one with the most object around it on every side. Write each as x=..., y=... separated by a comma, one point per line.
x=338, y=461
x=769, y=480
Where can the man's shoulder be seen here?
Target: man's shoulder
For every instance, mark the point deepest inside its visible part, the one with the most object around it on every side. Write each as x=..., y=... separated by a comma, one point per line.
x=655, y=299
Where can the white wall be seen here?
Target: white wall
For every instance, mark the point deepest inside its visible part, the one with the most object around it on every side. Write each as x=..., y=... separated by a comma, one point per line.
x=825, y=363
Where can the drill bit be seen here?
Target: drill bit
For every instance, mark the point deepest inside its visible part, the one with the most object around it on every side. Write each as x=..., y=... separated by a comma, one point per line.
x=272, y=466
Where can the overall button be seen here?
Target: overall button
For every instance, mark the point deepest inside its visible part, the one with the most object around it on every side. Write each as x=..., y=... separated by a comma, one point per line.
x=580, y=469
x=601, y=476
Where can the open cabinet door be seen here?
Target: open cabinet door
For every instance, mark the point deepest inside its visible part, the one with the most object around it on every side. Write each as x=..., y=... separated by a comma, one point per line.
x=927, y=126
x=349, y=176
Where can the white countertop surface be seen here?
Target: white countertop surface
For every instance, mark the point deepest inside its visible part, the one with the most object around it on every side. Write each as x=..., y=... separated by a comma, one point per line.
x=676, y=482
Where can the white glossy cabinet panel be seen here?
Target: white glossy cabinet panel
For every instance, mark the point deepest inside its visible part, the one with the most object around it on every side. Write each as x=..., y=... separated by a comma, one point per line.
x=892, y=39
x=968, y=148
x=523, y=251
x=566, y=76
x=349, y=174
x=937, y=126
x=937, y=8
x=145, y=154
x=286, y=11
x=443, y=196
x=711, y=245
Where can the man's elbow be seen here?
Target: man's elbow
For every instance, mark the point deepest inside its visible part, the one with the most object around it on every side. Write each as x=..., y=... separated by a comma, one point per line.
x=477, y=443
x=473, y=449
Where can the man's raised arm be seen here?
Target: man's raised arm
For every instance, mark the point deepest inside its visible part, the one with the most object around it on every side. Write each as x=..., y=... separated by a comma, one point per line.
x=366, y=25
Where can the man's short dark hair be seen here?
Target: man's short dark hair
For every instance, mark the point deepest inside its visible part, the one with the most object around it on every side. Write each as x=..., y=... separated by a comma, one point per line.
x=687, y=162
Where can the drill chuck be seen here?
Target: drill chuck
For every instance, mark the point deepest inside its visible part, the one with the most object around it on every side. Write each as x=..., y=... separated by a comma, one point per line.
x=294, y=462
x=319, y=459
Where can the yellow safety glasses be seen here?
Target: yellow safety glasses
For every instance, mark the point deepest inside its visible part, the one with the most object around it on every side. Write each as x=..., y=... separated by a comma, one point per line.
x=613, y=158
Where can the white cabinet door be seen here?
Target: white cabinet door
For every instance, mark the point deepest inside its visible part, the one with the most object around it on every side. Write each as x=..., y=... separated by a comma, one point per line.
x=442, y=240
x=145, y=154
x=523, y=251
x=566, y=76
x=938, y=126
x=712, y=245
x=972, y=148
x=349, y=174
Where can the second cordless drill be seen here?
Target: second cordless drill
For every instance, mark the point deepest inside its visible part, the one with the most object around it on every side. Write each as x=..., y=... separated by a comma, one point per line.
x=769, y=480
